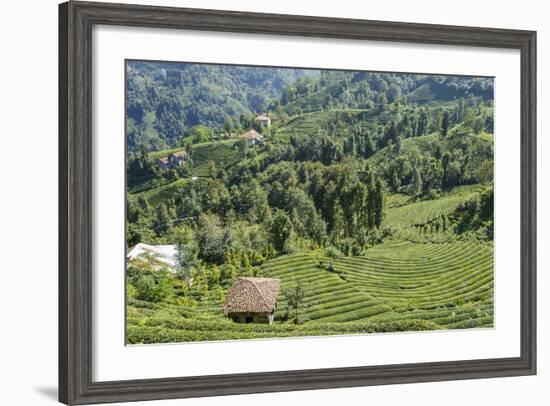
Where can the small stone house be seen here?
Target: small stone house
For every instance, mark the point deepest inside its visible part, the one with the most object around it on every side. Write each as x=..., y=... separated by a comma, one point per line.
x=264, y=119
x=253, y=137
x=252, y=300
x=173, y=160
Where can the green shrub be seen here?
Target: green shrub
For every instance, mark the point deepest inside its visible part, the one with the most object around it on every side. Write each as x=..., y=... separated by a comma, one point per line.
x=152, y=289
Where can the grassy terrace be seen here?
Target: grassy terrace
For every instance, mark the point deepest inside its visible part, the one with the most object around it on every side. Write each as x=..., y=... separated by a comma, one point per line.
x=223, y=153
x=393, y=278
x=397, y=286
x=309, y=123
x=424, y=211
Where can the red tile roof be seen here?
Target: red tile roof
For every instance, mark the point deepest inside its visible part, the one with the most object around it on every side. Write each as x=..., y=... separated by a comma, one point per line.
x=251, y=134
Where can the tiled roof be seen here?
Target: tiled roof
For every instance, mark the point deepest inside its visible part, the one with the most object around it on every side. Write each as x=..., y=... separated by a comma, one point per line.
x=252, y=134
x=254, y=295
x=262, y=117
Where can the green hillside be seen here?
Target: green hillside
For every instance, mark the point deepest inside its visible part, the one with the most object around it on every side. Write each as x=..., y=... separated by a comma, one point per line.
x=369, y=196
x=396, y=286
x=165, y=100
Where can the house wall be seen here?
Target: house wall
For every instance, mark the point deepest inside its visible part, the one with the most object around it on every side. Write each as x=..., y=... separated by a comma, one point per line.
x=262, y=318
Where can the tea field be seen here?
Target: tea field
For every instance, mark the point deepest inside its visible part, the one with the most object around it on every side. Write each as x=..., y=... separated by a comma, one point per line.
x=397, y=286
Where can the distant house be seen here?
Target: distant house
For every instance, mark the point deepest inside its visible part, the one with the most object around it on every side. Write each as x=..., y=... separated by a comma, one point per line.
x=164, y=254
x=252, y=300
x=253, y=137
x=264, y=119
x=173, y=160
x=163, y=163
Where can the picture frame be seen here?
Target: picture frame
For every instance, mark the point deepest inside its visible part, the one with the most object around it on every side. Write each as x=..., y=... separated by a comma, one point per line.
x=76, y=384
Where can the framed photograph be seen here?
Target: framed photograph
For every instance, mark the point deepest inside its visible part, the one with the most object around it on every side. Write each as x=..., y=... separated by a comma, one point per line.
x=259, y=202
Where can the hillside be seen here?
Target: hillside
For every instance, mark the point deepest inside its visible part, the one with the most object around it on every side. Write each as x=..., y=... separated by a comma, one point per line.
x=368, y=195
x=164, y=100
x=363, y=90
x=395, y=287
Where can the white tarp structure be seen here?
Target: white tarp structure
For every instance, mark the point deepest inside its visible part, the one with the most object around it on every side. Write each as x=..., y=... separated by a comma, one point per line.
x=163, y=253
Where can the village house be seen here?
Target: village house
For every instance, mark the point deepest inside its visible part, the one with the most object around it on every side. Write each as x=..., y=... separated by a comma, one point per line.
x=252, y=300
x=253, y=137
x=173, y=160
x=264, y=119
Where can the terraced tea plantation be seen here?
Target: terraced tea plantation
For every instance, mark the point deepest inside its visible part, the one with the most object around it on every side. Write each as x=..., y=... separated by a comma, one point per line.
x=398, y=286
x=308, y=202
x=449, y=284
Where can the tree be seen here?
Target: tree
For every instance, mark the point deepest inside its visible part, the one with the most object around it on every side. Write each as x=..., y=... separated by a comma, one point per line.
x=294, y=297
x=186, y=255
x=369, y=146
x=151, y=283
x=379, y=203
x=152, y=288
x=212, y=170
x=228, y=125
x=281, y=230
x=242, y=146
x=381, y=101
x=397, y=144
x=445, y=124
x=371, y=203
x=423, y=122
x=162, y=219
x=394, y=93
x=395, y=181
x=460, y=110
x=416, y=183
x=212, y=239
x=338, y=222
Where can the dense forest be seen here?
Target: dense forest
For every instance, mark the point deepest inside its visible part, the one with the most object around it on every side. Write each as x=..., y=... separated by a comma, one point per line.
x=352, y=164
x=164, y=100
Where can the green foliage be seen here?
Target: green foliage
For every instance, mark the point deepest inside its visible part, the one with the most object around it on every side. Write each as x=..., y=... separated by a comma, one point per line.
x=373, y=190
x=212, y=239
x=376, y=295
x=167, y=101
x=164, y=331
x=294, y=297
x=476, y=215
x=281, y=230
x=186, y=254
x=162, y=221
x=148, y=281
x=152, y=289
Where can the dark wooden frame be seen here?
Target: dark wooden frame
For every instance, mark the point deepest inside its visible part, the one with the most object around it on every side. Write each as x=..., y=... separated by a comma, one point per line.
x=75, y=181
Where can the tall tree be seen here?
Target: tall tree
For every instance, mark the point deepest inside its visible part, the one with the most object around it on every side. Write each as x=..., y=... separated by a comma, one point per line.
x=394, y=93
x=162, y=221
x=294, y=297
x=460, y=110
x=369, y=146
x=416, y=183
x=445, y=124
x=186, y=255
x=379, y=203
x=280, y=230
x=212, y=239
x=242, y=146
x=423, y=122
